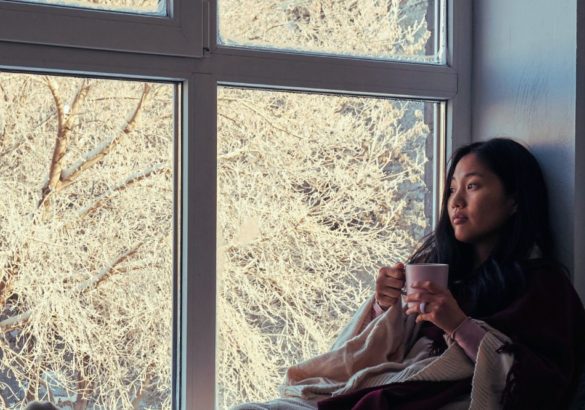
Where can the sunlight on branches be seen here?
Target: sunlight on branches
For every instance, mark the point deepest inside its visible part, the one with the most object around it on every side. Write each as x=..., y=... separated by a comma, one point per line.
x=394, y=29
x=86, y=208
x=314, y=194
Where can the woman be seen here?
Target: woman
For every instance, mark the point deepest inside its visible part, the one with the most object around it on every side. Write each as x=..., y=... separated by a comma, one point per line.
x=509, y=332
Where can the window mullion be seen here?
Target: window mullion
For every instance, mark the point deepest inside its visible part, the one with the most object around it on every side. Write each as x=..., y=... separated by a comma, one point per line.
x=287, y=70
x=199, y=245
x=179, y=35
x=33, y=57
x=459, y=57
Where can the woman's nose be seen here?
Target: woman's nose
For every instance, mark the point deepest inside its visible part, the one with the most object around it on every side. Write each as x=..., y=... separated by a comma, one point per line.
x=457, y=200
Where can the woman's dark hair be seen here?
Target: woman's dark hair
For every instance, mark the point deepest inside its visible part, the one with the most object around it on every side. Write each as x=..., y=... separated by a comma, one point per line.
x=499, y=280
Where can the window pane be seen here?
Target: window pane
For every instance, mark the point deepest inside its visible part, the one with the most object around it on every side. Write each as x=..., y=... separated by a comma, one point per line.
x=315, y=193
x=86, y=242
x=153, y=7
x=405, y=30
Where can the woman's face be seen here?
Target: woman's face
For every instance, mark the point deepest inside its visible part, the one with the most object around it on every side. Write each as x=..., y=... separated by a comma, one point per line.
x=478, y=205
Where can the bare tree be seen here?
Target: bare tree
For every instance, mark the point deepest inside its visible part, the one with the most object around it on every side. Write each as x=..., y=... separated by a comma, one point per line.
x=86, y=279
x=314, y=192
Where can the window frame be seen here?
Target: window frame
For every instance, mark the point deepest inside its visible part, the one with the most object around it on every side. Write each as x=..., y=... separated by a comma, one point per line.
x=199, y=73
x=174, y=34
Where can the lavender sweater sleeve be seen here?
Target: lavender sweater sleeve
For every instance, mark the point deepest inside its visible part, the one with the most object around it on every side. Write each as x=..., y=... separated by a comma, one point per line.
x=468, y=335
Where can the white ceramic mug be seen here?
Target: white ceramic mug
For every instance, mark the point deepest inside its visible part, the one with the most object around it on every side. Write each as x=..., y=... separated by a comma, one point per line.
x=437, y=273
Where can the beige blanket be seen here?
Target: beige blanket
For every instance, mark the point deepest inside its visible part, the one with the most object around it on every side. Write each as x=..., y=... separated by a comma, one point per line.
x=387, y=351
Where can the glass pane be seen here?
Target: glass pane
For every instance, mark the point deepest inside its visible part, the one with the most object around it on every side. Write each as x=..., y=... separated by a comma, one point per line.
x=315, y=193
x=86, y=242
x=151, y=7
x=405, y=30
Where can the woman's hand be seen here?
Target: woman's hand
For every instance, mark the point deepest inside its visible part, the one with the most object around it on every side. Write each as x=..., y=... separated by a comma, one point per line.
x=389, y=285
x=441, y=308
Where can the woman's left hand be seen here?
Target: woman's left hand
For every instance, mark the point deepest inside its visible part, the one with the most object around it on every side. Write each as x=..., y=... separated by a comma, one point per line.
x=441, y=307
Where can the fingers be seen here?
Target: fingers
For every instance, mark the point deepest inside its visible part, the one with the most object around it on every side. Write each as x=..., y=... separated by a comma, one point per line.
x=387, y=296
x=415, y=303
x=390, y=293
x=391, y=277
x=396, y=271
x=428, y=286
x=419, y=297
x=429, y=309
x=389, y=282
x=386, y=301
x=439, y=306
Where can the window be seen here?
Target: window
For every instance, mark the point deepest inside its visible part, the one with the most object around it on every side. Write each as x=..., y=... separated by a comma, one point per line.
x=152, y=7
x=87, y=287
x=246, y=131
x=313, y=192
x=395, y=30
x=169, y=30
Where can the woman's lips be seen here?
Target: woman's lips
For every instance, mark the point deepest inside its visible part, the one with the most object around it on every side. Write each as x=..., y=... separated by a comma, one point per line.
x=459, y=219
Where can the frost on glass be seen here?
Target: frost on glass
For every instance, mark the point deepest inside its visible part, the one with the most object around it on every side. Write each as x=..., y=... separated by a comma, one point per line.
x=151, y=7
x=406, y=30
x=315, y=193
x=86, y=227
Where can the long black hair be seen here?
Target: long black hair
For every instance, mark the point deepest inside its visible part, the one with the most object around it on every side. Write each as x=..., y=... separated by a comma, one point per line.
x=482, y=291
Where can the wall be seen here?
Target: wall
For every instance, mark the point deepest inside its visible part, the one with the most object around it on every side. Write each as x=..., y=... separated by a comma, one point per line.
x=524, y=86
x=580, y=154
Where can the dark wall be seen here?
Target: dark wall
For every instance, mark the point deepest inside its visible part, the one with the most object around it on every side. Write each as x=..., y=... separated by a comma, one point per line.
x=524, y=86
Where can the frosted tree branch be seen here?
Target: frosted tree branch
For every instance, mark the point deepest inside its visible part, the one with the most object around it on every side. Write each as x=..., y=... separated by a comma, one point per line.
x=96, y=155
x=64, y=127
x=92, y=282
x=126, y=183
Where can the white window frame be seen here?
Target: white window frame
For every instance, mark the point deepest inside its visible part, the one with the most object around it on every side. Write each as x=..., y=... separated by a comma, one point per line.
x=197, y=63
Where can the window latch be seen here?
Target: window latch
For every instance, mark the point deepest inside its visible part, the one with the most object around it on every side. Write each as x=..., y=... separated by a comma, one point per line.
x=206, y=14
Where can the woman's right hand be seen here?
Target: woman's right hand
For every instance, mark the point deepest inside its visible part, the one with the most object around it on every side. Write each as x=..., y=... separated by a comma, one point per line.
x=389, y=285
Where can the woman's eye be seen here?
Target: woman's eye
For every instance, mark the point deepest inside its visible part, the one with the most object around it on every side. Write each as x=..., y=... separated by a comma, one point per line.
x=451, y=190
x=471, y=186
